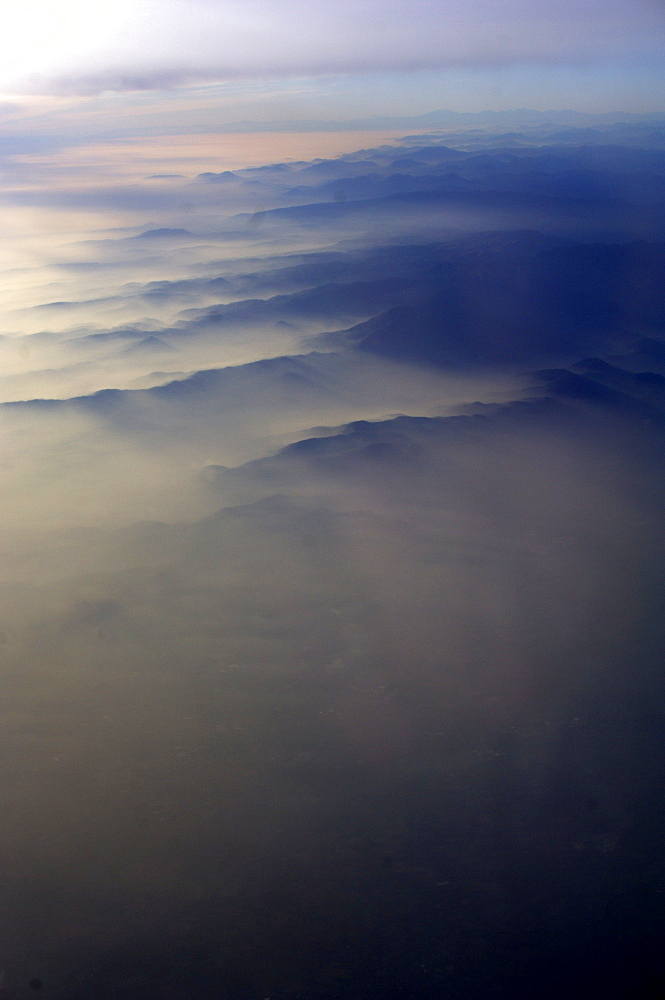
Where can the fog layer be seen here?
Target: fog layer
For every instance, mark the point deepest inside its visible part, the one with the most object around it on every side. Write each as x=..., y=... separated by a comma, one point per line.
x=332, y=580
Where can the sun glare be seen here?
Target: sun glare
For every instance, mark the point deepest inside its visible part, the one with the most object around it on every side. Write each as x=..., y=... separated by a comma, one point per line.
x=41, y=36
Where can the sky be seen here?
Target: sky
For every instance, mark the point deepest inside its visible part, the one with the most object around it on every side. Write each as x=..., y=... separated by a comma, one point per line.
x=347, y=59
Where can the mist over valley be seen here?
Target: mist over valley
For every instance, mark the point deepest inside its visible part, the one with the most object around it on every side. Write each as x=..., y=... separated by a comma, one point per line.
x=332, y=576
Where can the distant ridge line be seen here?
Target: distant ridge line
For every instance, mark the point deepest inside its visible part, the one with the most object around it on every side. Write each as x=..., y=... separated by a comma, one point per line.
x=445, y=118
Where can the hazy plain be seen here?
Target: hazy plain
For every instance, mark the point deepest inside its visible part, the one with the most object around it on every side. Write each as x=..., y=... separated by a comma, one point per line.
x=333, y=567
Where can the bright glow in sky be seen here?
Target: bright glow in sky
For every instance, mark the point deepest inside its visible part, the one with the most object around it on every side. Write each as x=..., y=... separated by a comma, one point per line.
x=40, y=34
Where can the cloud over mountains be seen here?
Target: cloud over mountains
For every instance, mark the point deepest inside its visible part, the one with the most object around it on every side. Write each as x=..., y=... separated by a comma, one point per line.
x=332, y=577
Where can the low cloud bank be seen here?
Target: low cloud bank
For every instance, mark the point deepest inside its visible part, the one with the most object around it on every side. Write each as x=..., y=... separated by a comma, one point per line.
x=331, y=590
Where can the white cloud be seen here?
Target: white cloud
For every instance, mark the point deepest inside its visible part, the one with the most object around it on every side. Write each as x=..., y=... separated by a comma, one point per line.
x=165, y=42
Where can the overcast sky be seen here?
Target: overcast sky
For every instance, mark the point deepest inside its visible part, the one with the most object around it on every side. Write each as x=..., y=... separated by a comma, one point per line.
x=505, y=51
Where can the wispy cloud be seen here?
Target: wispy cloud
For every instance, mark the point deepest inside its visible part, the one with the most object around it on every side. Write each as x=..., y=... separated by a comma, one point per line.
x=163, y=43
